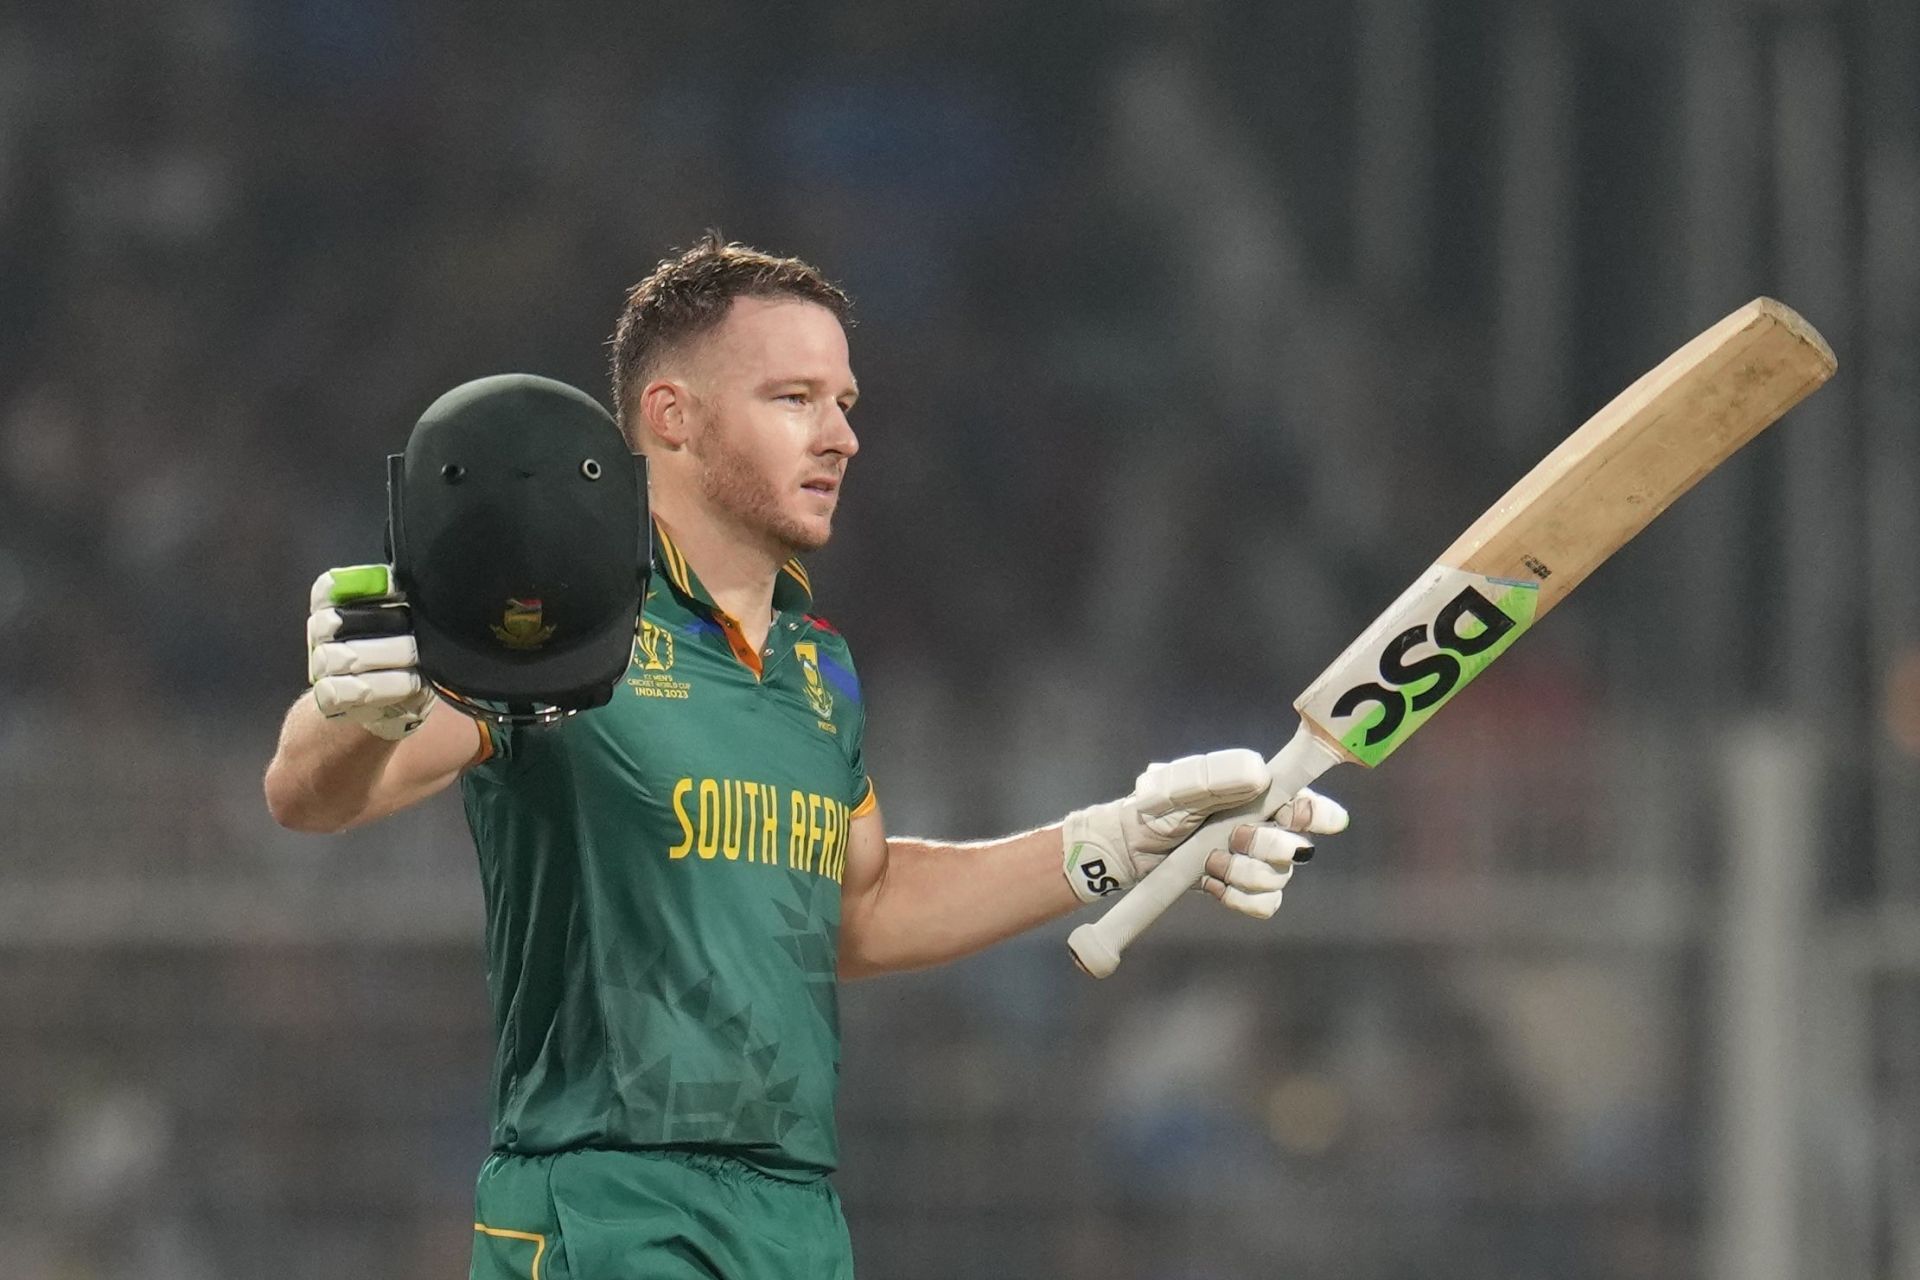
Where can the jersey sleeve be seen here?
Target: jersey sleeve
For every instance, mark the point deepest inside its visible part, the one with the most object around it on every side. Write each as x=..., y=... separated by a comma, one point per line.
x=865, y=799
x=861, y=795
x=496, y=743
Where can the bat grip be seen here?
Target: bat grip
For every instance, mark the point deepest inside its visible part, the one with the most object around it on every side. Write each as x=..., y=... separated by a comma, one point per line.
x=1097, y=947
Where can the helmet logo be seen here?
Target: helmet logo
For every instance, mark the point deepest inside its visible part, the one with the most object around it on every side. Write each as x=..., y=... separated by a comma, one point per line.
x=520, y=626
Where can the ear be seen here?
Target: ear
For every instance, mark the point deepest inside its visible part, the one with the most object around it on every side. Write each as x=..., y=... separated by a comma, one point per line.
x=663, y=414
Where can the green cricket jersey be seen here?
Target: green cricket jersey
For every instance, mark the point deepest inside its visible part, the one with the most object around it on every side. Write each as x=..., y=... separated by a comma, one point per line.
x=662, y=880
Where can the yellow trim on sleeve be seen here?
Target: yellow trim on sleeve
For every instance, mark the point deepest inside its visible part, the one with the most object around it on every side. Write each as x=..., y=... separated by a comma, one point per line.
x=869, y=802
x=487, y=747
x=534, y=1238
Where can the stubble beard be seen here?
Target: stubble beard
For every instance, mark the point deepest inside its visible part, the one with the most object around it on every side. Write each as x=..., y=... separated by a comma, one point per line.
x=732, y=483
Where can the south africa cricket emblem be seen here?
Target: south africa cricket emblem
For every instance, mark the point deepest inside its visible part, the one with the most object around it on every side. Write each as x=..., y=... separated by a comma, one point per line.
x=653, y=647
x=520, y=627
x=819, y=697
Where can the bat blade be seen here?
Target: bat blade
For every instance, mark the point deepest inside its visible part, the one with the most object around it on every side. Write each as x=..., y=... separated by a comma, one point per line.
x=1654, y=441
x=1585, y=500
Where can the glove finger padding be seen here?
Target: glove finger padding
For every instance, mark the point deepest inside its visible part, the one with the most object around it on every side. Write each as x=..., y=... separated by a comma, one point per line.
x=1108, y=847
x=1261, y=906
x=1311, y=811
x=337, y=695
x=1258, y=859
x=1172, y=800
x=362, y=660
x=352, y=658
x=1258, y=865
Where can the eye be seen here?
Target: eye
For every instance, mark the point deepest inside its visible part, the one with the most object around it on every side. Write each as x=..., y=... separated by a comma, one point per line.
x=793, y=397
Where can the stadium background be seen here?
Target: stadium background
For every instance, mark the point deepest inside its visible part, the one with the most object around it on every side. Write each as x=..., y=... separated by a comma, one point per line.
x=1189, y=332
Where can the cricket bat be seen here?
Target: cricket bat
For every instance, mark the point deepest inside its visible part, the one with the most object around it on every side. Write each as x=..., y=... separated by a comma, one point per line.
x=1583, y=502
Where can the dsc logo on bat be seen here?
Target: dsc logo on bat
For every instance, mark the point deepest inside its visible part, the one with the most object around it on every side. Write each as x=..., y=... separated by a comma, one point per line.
x=1439, y=636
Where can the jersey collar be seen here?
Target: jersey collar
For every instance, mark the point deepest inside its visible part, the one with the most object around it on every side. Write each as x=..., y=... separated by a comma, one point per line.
x=792, y=589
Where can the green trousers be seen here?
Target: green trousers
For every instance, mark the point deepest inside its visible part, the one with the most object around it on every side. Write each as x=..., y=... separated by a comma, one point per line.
x=654, y=1215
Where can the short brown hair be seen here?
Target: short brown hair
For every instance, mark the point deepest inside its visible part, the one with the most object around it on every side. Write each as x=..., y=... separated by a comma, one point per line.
x=686, y=297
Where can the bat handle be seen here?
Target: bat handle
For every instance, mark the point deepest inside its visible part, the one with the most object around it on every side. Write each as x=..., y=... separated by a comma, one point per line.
x=1097, y=947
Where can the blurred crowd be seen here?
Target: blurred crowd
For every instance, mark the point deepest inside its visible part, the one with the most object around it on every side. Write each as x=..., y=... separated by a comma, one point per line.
x=245, y=244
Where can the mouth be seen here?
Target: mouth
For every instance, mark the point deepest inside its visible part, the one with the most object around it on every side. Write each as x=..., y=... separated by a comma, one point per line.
x=824, y=486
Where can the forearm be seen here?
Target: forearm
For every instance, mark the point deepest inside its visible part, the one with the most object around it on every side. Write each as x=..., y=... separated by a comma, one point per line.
x=324, y=772
x=936, y=901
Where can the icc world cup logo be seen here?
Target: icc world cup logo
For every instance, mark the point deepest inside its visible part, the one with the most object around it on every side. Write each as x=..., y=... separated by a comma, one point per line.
x=653, y=647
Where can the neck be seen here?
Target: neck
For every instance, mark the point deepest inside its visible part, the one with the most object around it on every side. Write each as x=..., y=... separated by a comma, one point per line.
x=736, y=570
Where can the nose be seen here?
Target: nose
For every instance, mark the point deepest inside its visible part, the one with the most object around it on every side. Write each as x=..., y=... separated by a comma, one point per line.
x=838, y=437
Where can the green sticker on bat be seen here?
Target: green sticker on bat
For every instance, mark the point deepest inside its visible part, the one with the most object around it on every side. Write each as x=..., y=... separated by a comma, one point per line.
x=1438, y=636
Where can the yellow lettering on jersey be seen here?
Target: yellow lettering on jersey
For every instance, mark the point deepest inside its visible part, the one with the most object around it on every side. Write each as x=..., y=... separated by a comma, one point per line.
x=841, y=835
x=738, y=820
x=770, y=825
x=749, y=817
x=734, y=816
x=685, y=846
x=797, y=831
x=709, y=817
x=829, y=836
x=813, y=828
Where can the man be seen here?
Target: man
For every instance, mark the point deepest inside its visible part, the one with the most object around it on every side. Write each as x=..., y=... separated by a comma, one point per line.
x=676, y=881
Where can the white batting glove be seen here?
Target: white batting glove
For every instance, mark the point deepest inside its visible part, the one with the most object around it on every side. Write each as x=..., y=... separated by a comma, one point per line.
x=1108, y=847
x=361, y=658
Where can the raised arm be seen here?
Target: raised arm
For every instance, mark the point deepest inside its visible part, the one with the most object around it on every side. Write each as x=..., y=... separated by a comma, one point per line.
x=329, y=775
x=361, y=744
x=908, y=904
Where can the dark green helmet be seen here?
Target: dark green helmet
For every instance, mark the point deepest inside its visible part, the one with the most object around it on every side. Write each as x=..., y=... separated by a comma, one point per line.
x=517, y=526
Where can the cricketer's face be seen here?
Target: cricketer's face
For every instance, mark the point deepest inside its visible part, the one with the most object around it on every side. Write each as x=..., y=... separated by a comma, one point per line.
x=772, y=442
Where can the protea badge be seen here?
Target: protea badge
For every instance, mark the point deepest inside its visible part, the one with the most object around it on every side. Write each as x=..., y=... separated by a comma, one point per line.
x=520, y=626
x=819, y=697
